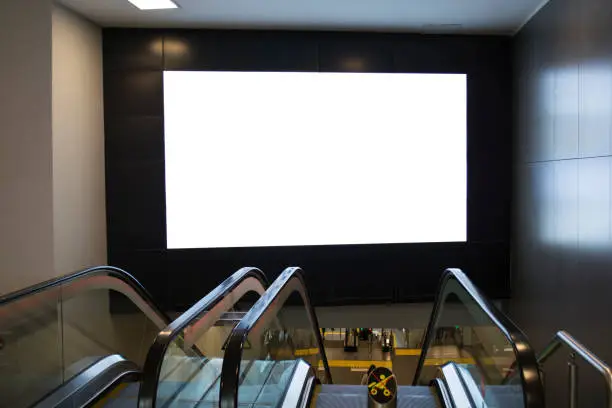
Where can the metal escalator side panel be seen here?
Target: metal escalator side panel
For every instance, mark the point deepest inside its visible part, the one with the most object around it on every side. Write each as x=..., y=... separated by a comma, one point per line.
x=471, y=387
x=191, y=325
x=46, y=328
x=443, y=396
x=456, y=388
x=255, y=324
x=299, y=391
x=92, y=382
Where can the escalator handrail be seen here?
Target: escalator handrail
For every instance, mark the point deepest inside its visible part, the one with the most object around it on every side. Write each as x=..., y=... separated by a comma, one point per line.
x=533, y=393
x=106, y=270
x=228, y=393
x=155, y=357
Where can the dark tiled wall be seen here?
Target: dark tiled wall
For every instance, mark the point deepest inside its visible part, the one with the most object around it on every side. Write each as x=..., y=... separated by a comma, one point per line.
x=133, y=64
x=562, y=275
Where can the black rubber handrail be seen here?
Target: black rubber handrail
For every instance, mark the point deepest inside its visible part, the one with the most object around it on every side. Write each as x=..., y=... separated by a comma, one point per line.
x=105, y=270
x=230, y=373
x=533, y=392
x=147, y=395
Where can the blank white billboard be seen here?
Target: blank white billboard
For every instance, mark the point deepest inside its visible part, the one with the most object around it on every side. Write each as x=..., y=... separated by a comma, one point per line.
x=277, y=159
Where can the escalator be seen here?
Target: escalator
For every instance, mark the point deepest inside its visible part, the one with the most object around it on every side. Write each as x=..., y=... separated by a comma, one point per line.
x=95, y=337
x=498, y=369
x=65, y=344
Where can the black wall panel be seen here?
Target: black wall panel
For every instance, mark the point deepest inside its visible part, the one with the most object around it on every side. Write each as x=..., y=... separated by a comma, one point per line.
x=134, y=60
x=132, y=49
x=356, y=53
x=562, y=246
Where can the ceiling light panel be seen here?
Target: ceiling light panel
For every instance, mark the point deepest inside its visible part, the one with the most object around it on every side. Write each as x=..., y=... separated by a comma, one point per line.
x=154, y=4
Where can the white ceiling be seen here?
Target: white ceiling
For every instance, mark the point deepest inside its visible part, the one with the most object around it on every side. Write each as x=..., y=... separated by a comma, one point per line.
x=425, y=16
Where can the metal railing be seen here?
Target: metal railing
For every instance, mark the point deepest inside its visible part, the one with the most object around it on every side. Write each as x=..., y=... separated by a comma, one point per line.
x=563, y=338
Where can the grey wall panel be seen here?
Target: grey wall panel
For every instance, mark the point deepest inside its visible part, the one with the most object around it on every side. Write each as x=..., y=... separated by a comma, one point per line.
x=562, y=238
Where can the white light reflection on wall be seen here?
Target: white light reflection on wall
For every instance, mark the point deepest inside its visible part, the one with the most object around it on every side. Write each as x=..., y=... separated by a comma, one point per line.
x=572, y=192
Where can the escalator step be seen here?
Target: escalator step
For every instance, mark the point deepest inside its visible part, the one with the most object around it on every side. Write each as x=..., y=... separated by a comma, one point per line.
x=351, y=396
x=510, y=396
x=415, y=397
x=123, y=396
x=340, y=400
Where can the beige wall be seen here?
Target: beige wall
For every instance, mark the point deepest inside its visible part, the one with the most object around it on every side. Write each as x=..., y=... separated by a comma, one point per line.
x=79, y=231
x=52, y=206
x=26, y=197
